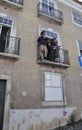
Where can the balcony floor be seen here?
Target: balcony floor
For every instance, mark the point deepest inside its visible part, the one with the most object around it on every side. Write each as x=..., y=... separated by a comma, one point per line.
x=47, y=17
x=43, y=61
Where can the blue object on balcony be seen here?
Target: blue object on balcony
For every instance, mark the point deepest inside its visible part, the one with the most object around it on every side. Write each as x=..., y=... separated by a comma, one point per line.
x=80, y=60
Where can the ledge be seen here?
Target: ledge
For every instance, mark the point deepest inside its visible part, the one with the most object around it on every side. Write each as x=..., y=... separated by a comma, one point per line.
x=46, y=103
x=45, y=16
x=52, y=63
x=14, y=56
x=13, y=4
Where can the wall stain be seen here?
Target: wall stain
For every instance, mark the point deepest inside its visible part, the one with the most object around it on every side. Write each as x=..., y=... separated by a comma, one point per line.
x=18, y=127
x=45, y=126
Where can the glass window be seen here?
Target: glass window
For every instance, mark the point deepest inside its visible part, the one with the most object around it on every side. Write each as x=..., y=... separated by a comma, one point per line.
x=1, y=19
x=6, y=21
x=51, y=34
x=80, y=46
x=77, y=18
x=48, y=6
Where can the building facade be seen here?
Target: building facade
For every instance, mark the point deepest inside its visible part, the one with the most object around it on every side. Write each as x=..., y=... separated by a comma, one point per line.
x=39, y=94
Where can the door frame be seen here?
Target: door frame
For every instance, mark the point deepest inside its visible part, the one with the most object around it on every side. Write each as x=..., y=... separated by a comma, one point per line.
x=7, y=101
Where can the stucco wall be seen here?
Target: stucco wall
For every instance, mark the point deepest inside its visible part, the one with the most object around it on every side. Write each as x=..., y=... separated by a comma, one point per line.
x=38, y=119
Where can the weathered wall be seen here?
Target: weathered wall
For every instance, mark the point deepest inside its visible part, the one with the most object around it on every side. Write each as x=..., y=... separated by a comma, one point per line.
x=38, y=119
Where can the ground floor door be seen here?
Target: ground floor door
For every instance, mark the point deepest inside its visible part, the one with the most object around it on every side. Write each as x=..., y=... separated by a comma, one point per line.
x=2, y=101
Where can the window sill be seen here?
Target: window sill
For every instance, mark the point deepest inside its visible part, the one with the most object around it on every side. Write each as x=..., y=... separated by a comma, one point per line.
x=52, y=103
x=14, y=56
x=14, y=4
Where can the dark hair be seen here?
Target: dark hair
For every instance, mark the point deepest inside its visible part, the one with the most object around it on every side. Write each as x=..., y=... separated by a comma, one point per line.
x=53, y=39
x=42, y=32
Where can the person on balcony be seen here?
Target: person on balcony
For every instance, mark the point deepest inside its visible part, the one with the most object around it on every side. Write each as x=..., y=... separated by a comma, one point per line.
x=42, y=43
x=53, y=51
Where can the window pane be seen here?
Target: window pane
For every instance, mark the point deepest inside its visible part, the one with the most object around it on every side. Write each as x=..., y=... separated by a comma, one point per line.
x=1, y=19
x=10, y=22
x=5, y=21
x=77, y=18
x=48, y=33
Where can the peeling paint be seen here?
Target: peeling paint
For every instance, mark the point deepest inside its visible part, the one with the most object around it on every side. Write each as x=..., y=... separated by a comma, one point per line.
x=37, y=119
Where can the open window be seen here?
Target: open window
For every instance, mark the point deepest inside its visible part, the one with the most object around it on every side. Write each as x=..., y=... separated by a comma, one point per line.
x=9, y=44
x=48, y=6
x=4, y=38
x=79, y=46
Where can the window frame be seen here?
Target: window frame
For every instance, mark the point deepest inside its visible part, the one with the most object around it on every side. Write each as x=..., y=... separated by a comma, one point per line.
x=54, y=87
x=52, y=103
x=48, y=3
x=78, y=48
x=74, y=20
x=51, y=30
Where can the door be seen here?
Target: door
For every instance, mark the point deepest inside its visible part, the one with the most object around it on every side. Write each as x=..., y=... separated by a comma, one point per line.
x=2, y=101
x=5, y=32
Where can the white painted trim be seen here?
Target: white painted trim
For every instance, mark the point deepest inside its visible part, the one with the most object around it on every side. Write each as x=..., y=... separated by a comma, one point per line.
x=72, y=4
x=7, y=101
x=74, y=21
x=13, y=33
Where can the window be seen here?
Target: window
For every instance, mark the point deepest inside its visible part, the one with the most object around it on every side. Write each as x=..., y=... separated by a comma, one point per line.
x=80, y=47
x=53, y=87
x=48, y=6
x=6, y=21
x=77, y=18
x=50, y=33
x=9, y=44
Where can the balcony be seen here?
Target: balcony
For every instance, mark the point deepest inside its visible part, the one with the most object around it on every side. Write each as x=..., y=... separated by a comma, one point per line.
x=9, y=46
x=15, y=3
x=50, y=14
x=60, y=57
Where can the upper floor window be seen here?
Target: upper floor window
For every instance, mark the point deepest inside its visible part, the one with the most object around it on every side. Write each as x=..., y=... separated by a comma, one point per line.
x=15, y=2
x=9, y=43
x=48, y=5
x=6, y=21
x=80, y=47
x=51, y=33
x=77, y=18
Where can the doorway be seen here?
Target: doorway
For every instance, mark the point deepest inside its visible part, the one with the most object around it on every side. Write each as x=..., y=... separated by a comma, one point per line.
x=5, y=32
x=2, y=101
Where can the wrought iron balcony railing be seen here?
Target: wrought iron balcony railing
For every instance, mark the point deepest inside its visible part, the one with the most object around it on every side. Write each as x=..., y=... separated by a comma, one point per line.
x=50, y=13
x=59, y=57
x=10, y=45
x=18, y=2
